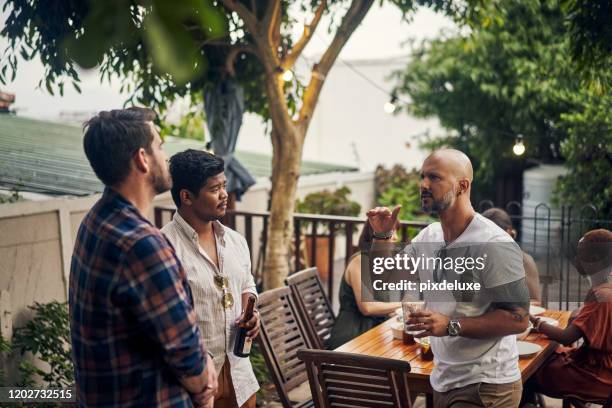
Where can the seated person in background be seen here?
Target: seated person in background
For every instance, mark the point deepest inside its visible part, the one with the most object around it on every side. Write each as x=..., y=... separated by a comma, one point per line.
x=584, y=372
x=357, y=317
x=502, y=219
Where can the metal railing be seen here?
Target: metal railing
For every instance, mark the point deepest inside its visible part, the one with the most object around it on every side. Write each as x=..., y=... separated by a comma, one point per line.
x=548, y=234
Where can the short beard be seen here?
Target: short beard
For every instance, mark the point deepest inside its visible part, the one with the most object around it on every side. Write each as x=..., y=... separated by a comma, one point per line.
x=159, y=181
x=208, y=217
x=439, y=206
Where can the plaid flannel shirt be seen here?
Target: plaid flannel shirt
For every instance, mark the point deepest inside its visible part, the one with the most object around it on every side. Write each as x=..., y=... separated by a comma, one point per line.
x=132, y=322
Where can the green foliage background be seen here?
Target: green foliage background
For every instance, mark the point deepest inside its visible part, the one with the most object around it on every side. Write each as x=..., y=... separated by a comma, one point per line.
x=329, y=202
x=513, y=75
x=46, y=336
x=398, y=186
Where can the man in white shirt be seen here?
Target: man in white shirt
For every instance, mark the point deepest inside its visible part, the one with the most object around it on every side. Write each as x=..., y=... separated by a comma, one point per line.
x=218, y=266
x=472, y=334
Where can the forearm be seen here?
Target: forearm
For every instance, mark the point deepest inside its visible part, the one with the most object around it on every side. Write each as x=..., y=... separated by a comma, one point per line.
x=496, y=323
x=565, y=336
x=378, y=308
x=552, y=332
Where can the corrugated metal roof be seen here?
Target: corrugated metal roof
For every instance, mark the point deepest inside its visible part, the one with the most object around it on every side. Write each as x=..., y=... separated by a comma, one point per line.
x=47, y=157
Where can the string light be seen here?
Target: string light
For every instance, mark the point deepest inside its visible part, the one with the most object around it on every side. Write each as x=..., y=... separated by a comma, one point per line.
x=519, y=146
x=390, y=106
x=287, y=75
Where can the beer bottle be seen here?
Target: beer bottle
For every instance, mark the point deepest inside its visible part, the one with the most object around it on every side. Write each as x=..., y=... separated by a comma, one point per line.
x=242, y=346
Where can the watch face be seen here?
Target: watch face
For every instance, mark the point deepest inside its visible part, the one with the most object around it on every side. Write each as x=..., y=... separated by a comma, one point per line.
x=453, y=328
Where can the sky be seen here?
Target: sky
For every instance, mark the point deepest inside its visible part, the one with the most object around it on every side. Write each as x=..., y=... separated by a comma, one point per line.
x=380, y=35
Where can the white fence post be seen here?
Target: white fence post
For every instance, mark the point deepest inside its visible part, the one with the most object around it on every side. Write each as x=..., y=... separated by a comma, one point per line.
x=6, y=315
x=66, y=244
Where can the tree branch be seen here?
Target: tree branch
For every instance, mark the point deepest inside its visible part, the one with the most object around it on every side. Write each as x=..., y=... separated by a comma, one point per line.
x=267, y=55
x=250, y=20
x=353, y=17
x=272, y=21
x=309, y=29
x=233, y=53
x=271, y=9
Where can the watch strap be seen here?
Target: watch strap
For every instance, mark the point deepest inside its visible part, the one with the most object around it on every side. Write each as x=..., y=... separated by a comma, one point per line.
x=383, y=235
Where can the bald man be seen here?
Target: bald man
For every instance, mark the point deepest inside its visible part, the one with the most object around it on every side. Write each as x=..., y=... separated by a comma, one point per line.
x=471, y=331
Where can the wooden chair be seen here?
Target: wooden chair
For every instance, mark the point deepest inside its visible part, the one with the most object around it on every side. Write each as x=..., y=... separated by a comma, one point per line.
x=313, y=305
x=281, y=335
x=576, y=403
x=356, y=381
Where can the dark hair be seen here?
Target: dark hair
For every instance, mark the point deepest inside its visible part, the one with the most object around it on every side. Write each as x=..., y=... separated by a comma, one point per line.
x=112, y=138
x=191, y=169
x=595, y=246
x=366, y=237
x=499, y=217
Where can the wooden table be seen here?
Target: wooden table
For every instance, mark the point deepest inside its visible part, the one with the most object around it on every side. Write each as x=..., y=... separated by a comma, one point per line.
x=379, y=342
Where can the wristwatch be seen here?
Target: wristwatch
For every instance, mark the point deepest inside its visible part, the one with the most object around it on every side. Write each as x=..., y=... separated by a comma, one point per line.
x=383, y=235
x=453, y=328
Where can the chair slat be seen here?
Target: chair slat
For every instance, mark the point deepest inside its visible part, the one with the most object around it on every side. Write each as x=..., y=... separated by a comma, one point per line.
x=360, y=394
x=280, y=323
x=361, y=371
x=359, y=387
x=338, y=401
x=286, y=335
x=308, y=291
x=348, y=377
x=297, y=369
x=324, y=324
x=290, y=345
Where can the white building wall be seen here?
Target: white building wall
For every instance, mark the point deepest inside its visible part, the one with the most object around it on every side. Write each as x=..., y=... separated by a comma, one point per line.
x=350, y=126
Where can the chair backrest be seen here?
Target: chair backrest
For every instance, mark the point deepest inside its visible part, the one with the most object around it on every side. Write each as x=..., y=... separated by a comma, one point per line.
x=281, y=335
x=354, y=380
x=570, y=402
x=314, y=306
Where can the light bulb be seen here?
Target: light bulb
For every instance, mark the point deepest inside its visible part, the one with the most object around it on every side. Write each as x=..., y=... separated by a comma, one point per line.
x=519, y=147
x=389, y=107
x=287, y=76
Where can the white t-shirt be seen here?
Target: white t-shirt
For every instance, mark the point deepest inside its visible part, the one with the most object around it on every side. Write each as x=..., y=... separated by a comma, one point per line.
x=460, y=361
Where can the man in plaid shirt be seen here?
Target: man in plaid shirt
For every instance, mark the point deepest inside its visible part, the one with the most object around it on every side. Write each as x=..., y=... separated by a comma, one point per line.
x=134, y=335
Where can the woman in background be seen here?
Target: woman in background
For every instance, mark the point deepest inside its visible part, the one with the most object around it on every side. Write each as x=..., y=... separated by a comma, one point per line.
x=355, y=316
x=503, y=221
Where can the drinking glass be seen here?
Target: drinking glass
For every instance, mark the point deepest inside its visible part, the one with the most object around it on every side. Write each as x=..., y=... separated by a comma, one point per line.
x=408, y=308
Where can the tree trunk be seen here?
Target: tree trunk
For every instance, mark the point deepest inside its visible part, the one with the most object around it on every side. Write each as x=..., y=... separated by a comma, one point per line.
x=288, y=135
x=287, y=142
x=285, y=174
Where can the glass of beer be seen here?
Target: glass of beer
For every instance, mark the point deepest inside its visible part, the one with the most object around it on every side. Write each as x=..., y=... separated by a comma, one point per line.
x=408, y=308
x=425, y=346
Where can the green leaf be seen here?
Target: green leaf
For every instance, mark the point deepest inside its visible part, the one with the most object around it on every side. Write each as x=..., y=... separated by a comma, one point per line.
x=173, y=50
